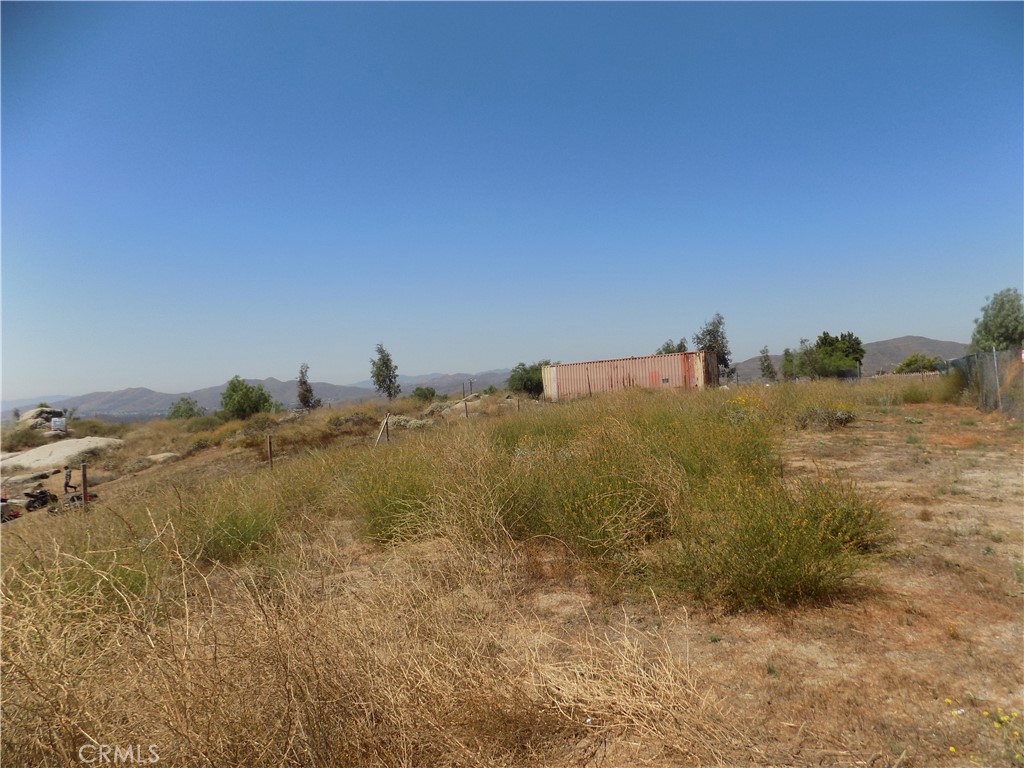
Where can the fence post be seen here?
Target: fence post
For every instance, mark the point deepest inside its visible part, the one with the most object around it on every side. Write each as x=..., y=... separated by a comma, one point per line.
x=85, y=489
x=270, y=450
x=995, y=364
x=383, y=427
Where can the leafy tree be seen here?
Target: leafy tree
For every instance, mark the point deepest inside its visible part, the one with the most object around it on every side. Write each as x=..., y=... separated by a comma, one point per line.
x=424, y=394
x=1001, y=325
x=837, y=356
x=918, y=362
x=711, y=338
x=185, y=408
x=789, y=365
x=767, y=366
x=384, y=373
x=528, y=379
x=241, y=400
x=670, y=347
x=798, y=362
x=306, y=398
x=829, y=356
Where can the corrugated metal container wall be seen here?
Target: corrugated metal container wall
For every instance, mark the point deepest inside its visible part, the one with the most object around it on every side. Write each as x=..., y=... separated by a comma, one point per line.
x=680, y=370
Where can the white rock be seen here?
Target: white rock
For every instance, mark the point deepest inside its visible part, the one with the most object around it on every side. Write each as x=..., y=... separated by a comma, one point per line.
x=58, y=454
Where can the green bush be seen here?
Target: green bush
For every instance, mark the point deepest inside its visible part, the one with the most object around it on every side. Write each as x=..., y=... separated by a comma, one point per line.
x=241, y=400
x=424, y=394
x=185, y=408
x=528, y=379
x=767, y=544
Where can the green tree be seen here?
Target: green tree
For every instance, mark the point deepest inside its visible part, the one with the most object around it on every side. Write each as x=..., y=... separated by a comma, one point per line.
x=789, y=365
x=830, y=356
x=799, y=362
x=836, y=356
x=384, y=373
x=306, y=398
x=919, y=362
x=670, y=347
x=185, y=408
x=241, y=400
x=711, y=338
x=1001, y=325
x=528, y=379
x=424, y=394
x=767, y=366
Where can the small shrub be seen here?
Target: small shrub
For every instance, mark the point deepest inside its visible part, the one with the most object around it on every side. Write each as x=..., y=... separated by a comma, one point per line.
x=137, y=465
x=825, y=417
x=17, y=440
x=424, y=394
x=356, y=423
x=202, y=424
x=200, y=444
x=98, y=428
x=915, y=395
x=261, y=424
x=765, y=545
x=235, y=534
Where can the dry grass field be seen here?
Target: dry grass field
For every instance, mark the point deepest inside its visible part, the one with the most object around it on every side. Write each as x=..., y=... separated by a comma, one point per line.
x=408, y=605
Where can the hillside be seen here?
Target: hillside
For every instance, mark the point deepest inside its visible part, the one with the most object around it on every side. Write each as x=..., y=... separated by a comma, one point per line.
x=143, y=403
x=880, y=356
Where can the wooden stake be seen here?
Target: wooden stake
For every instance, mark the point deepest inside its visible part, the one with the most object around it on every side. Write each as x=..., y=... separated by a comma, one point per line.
x=383, y=427
x=85, y=490
x=270, y=450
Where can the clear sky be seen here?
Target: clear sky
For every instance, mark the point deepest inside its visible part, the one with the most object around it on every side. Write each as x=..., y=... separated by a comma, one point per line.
x=195, y=190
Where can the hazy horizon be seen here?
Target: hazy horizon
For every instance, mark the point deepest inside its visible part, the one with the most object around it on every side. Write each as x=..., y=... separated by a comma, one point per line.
x=194, y=191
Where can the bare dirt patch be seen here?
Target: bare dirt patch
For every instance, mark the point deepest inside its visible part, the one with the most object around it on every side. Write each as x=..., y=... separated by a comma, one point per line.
x=917, y=666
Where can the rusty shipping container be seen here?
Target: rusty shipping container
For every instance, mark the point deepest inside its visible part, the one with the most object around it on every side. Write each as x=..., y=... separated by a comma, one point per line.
x=680, y=370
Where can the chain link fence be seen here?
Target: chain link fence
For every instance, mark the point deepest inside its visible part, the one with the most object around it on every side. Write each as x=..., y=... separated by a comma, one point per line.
x=996, y=379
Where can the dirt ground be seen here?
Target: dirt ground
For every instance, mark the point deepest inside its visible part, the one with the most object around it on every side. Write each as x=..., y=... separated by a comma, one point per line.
x=921, y=665
x=924, y=663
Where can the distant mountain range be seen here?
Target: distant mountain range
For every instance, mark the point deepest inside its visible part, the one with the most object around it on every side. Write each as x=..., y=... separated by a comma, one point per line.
x=141, y=403
x=879, y=356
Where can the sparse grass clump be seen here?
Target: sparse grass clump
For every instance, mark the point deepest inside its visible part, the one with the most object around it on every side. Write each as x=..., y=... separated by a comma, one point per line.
x=21, y=439
x=98, y=428
x=826, y=417
x=649, y=490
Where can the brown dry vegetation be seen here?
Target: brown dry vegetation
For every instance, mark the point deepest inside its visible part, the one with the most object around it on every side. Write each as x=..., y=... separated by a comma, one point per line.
x=317, y=646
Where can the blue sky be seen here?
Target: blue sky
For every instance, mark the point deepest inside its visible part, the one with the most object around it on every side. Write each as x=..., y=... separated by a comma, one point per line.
x=194, y=190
